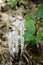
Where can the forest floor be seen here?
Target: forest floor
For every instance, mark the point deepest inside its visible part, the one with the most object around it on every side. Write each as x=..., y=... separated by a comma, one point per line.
x=30, y=56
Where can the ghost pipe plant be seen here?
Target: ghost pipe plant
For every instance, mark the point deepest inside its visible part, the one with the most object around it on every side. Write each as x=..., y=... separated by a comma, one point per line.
x=16, y=37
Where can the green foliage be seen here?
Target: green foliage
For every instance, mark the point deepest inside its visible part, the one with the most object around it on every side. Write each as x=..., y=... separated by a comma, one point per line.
x=39, y=36
x=29, y=16
x=40, y=11
x=13, y=3
x=41, y=33
x=42, y=20
x=30, y=30
x=40, y=16
x=28, y=36
x=30, y=27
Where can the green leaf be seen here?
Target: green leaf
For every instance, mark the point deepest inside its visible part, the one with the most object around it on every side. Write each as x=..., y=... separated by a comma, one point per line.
x=28, y=36
x=39, y=36
x=29, y=16
x=40, y=11
x=30, y=22
x=38, y=39
x=41, y=33
x=30, y=26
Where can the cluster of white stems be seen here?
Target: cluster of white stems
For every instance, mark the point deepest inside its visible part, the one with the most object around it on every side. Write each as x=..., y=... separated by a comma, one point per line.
x=16, y=37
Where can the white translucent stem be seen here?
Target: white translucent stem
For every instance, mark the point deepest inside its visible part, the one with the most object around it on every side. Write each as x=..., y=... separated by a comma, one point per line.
x=13, y=41
x=22, y=38
x=10, y=42
x=16, y=40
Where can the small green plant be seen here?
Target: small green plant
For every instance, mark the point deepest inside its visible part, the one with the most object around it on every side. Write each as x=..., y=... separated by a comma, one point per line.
x=31, y=28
